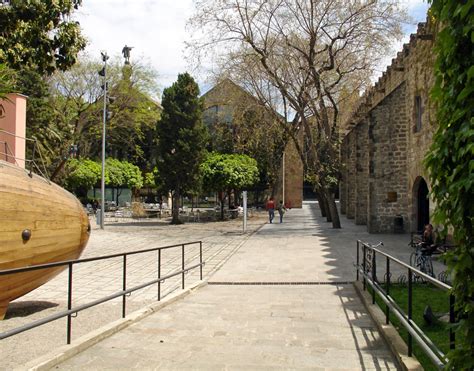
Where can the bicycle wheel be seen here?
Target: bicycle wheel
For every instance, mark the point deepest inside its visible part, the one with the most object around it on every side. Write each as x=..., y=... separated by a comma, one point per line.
x=413, y=259
x=429, y=266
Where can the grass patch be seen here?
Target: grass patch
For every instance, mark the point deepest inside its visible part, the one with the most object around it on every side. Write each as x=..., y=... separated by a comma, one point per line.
x=423, y=295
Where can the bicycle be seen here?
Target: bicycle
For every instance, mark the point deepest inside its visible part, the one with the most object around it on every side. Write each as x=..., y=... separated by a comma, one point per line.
x=421, y=260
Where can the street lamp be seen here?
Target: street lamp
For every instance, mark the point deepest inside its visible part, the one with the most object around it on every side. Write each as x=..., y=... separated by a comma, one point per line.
x=103, y=73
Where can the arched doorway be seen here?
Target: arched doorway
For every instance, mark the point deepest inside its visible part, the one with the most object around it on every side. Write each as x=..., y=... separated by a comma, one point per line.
x=421, y=203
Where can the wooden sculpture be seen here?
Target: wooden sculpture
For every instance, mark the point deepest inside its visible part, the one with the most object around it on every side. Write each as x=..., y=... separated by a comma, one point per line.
x=40, y=223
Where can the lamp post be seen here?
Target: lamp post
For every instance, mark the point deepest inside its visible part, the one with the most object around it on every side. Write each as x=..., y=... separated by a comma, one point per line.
x=283, y=178
x=103, y=73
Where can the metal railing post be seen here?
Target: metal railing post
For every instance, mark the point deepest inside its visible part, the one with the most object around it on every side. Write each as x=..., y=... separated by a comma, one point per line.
x=69, y=303
x=410, y=307
x=182, y=266
x=124, y=286
x=33, y=159
x=452, y=319
x=159, y=275
x=364, y=265
x=200, y=258
x=357, y=270
x=387, y=289
x=373, y=276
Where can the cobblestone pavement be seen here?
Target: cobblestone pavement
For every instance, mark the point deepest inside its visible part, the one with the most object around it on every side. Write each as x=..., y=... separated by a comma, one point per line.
x=94, y=280
x=283, y=301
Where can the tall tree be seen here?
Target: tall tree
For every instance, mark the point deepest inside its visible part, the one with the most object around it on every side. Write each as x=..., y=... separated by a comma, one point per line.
x=305, y=50
x=40, y=35
x=76, y=97
x=450, y=160
x=182, y=139
x=7, y=80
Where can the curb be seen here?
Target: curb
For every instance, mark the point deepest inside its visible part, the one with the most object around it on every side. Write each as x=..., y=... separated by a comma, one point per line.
x=65, y=352
x=394, y=341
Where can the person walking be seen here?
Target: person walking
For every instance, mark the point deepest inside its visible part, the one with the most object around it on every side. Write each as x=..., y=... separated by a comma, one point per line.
x=281, y=210
x=271, y=209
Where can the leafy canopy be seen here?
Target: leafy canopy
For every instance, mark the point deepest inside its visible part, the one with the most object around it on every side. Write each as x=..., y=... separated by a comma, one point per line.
x=40, y=35
x=223, y=172
x=451, y=159
x=84, y=174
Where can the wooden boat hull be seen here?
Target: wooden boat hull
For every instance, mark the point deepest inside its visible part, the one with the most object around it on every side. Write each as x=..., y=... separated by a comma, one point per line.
x=56, y=220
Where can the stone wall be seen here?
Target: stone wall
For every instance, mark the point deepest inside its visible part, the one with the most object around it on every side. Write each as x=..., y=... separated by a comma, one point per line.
x=386, y=139
x=362, y=173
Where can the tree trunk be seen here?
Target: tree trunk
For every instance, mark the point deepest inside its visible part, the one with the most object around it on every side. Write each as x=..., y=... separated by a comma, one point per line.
x=222, y=206
x=322, y=204
x=175, y=209
x=119, y=192
x=328, y=211
x=332, y=208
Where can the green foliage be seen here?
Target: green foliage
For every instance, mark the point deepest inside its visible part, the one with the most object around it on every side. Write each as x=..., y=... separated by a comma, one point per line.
x=222, y=172
x=82, y=175
x=85, y=173
x=7, y=80
x=40, y=35
x=122, y=174
x=42, y=124
x=131, y=125
x=450, y=160
x=182, y=135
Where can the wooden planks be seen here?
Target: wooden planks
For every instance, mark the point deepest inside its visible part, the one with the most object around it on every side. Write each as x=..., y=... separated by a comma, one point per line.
x=57, y=221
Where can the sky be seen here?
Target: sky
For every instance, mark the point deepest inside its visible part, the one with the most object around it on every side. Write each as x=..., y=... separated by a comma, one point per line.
x=156, y=31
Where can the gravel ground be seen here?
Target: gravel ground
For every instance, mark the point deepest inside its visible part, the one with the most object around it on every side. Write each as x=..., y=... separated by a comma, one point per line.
x=97, y=279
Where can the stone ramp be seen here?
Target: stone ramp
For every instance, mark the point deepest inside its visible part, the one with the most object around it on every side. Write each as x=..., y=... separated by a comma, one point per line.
x=282, y=301
x=248, y=327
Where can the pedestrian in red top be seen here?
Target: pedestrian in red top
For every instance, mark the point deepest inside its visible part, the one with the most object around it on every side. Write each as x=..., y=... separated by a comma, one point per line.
x=271, y=209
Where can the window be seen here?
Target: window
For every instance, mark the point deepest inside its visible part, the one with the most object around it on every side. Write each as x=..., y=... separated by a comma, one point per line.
x=418, y=113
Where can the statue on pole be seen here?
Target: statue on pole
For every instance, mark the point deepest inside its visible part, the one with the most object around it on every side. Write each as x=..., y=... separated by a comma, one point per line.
x=126, y=53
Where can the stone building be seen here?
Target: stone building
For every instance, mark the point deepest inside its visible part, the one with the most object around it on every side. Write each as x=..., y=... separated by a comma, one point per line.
x=384, y=184
x=227, y=103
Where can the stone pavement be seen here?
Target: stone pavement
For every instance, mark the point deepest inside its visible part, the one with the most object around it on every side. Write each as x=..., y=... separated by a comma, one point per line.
x=97, y=279
x=282, y=301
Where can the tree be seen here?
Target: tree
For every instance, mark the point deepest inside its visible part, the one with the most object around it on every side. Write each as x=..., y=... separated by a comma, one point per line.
x=76, y=98
x=297, y=54
x=7, y=80
x=40, y=35
x=242, y=124
x=132, y=115
x=226, y=172
x=182, y=139
x=82, y=175
x=450, y=160
x=122, y=174
x=42, y=125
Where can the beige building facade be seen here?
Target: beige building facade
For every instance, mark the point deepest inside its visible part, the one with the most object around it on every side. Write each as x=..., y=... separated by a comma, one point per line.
x=224, y=105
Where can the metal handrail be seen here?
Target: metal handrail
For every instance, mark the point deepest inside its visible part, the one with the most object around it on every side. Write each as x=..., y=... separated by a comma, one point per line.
x=122, y=293
x=32, y=162
x=368, y=270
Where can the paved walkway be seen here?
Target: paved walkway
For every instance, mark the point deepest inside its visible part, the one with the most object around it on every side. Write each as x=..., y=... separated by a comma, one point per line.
x=282, y=301
x=95, y=280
